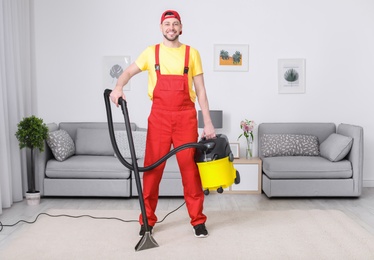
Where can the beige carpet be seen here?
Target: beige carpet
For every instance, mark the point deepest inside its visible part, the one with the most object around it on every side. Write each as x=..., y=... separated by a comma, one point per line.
x=293, y=234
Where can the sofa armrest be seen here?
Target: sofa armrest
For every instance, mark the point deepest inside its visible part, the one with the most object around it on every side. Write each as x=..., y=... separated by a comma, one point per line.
x=41, y=159
x=356, y=155
x=135, y=127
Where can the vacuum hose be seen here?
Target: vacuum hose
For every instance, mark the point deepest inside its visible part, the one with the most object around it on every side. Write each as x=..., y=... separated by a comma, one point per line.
x=123, y=105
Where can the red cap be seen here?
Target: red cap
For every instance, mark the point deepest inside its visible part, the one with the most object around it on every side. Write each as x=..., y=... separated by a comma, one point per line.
x=170, y=14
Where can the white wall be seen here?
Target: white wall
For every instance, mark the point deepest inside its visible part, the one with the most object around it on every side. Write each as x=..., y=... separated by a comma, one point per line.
x=335, y=37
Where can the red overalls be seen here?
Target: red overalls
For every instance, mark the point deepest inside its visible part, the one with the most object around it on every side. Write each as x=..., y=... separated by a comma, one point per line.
x=172, y=121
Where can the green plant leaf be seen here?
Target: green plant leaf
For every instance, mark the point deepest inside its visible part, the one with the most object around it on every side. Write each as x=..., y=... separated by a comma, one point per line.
x=31, y=133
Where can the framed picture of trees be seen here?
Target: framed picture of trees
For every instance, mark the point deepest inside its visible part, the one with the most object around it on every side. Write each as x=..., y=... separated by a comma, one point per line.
x=291, y=76
x=231, y=57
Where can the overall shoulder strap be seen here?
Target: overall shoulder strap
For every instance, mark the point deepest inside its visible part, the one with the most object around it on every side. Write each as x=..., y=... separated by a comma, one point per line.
x=186, y=59
x=157, y=59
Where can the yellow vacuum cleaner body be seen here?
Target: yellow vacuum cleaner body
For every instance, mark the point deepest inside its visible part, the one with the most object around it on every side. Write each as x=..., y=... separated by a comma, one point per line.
x=215, y=164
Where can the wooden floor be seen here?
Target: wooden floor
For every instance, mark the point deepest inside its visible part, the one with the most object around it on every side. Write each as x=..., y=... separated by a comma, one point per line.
x=360, y=209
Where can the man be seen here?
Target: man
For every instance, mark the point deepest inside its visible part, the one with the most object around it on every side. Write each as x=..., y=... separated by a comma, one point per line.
x=173, y=69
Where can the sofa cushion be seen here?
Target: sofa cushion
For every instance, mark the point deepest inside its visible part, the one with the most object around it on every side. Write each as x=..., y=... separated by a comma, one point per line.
x=93, y=141
x=61, y=144
x=305, y=167
x=289, y=145
x=139, y=138
x=87, y=167
x=336, y=147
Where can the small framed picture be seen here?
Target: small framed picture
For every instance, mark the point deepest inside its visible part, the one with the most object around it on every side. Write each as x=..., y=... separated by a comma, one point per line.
x=231, y=57
x=235, y=150
x=291, y=76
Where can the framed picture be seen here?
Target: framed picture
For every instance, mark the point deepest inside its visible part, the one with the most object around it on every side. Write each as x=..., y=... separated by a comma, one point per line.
x=235, y=150
x=231, y=57
x=291, y=76
x=113, y=66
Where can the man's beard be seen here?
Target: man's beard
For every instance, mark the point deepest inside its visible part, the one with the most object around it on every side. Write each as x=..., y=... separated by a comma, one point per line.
x=171, y=39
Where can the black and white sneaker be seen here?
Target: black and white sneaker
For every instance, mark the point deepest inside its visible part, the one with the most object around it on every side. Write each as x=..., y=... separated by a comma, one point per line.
x=200, y=231
x=142, y=230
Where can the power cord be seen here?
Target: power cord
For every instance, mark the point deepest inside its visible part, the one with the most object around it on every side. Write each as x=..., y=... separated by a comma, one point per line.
x=82, y=216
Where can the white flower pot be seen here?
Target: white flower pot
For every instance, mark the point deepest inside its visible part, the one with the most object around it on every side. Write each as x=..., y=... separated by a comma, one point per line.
x=33, y=199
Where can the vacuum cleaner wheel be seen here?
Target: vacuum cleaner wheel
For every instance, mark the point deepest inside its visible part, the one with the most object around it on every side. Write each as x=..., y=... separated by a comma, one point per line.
x=237, y=179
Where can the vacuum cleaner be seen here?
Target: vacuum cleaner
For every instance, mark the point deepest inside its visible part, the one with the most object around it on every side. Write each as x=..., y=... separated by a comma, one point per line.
x=215, y=164
x=213, y=157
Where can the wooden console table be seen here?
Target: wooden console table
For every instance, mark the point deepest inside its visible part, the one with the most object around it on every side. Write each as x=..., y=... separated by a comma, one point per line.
x=250, y=171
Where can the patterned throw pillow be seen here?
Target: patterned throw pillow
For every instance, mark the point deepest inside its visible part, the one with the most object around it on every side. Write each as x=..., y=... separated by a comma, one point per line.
x=61, y=144
x=289, y=145
x=139, y=138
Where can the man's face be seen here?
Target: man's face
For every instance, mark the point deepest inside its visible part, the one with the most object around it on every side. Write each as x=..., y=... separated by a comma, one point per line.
x=171, y=28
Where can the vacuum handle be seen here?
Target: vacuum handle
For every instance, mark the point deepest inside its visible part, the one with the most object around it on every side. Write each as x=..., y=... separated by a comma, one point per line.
x=123, y=103
x=204, y=138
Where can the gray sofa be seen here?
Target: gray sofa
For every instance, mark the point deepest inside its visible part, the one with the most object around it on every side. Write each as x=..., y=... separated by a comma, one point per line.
x=327, y=172
x=92, y=169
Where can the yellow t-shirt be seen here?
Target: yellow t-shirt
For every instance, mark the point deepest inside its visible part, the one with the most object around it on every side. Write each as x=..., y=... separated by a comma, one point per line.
x=171, y=62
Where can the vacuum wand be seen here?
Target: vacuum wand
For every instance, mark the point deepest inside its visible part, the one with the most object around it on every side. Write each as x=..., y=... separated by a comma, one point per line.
x=147, y=241
x=142, y=242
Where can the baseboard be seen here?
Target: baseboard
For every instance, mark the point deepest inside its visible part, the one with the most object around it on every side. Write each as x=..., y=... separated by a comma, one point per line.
x=368, y=183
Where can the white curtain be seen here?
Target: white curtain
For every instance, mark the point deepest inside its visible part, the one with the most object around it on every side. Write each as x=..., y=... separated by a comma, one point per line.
x=16, y=95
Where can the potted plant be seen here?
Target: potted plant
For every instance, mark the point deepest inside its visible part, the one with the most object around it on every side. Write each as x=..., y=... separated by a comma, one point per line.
x=31, y=134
